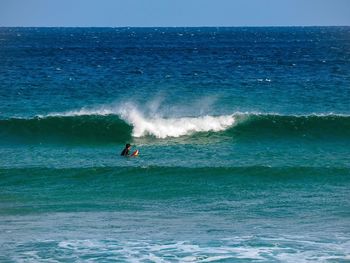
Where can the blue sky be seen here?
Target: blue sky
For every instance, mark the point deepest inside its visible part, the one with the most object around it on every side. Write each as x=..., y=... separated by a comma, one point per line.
x=116, y=13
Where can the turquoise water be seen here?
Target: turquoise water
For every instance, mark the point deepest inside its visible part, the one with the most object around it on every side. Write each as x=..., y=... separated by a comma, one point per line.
x=175, y=214
x=243, y=134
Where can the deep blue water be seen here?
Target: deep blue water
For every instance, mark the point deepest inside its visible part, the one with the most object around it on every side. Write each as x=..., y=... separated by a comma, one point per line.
x=243, y=134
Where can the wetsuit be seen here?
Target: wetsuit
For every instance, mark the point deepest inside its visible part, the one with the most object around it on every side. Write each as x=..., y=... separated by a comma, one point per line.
x=125, y=152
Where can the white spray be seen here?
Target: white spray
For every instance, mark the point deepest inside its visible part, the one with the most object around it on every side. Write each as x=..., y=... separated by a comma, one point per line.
x=174, y=127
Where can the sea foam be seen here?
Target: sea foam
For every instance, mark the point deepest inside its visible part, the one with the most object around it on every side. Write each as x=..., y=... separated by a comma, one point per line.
x=174, y=127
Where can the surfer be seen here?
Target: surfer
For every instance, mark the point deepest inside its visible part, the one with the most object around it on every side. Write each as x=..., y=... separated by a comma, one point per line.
x=126, y=150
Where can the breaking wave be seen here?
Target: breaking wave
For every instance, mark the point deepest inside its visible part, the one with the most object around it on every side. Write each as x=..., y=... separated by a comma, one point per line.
x=111, y=126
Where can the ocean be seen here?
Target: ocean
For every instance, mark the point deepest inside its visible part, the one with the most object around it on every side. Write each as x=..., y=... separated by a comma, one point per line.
x=243, y=133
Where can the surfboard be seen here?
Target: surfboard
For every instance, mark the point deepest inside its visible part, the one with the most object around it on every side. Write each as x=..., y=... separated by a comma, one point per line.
x=135, y=153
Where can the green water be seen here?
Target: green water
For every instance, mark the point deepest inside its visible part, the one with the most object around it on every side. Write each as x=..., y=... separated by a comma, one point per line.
x=252, y=213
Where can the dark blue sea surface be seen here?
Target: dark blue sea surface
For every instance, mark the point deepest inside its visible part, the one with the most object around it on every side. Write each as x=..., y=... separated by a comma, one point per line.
x=243, y=134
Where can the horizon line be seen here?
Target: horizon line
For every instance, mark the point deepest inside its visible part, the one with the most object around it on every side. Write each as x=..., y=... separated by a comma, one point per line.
x=222, y=26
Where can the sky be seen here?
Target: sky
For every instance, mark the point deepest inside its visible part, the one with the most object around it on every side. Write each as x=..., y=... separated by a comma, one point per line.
x=148, y=13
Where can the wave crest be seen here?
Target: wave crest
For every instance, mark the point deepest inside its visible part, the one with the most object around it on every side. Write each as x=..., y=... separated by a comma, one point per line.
x=119, y=125
x=175, y=127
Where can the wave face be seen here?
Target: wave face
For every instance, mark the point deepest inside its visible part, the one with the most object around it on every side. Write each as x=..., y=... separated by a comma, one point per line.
x=111, y=128
x=308, y=126
x=70, y=129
